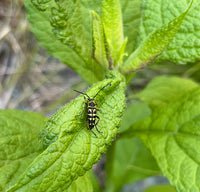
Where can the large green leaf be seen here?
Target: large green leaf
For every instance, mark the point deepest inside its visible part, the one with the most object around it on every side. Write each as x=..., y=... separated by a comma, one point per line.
x=132, y=162
x=71, y=23
x=19, y=143
x=72, y=149
x=136, y=111
x=129, y=160
x=185, y=47
x=172, y=132
x=65, y=30
x=153, y=45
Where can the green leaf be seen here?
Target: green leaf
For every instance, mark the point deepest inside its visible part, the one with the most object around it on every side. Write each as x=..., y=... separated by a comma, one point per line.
x=112, y=22
x=95, y=182
x=19, y=143
x=83, y=183
x=69, y=36
x=172, y=131
x=136, y=111
x=159, y=188
x=99, y=41
x=185, y=47
x=72, y=148
x=132, y=162
x=131, y=13
x=156, y=91
x=129, y=158
x=153, y=45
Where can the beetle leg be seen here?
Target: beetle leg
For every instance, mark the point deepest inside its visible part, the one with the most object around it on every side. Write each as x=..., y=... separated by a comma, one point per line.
x=94, y=133
x=79, y=114
x=98, y=130
x=97, y=110
x=97, y=124
x=97, y=120
x=86, y=122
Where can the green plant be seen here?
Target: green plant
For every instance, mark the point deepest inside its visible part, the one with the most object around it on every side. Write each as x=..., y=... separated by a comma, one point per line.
x=166, y=119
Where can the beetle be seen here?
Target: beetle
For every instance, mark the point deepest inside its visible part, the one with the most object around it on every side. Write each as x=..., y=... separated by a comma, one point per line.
x=92, y=110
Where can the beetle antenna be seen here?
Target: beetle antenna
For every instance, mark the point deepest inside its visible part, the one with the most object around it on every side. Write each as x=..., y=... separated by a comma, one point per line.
x=81, y=93
x=101, y=89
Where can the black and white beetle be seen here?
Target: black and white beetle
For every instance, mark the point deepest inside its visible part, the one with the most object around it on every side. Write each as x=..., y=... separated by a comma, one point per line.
x=92, y=110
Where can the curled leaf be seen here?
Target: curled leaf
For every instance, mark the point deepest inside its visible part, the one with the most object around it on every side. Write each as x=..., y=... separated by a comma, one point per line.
x=99, y=41
x=113, y=27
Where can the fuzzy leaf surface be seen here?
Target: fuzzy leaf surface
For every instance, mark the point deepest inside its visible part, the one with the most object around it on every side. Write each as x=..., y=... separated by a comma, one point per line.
x=172, y=131
x=19, y=144
x=185, y=47
x=64, y=29
x=99, y=41
x=112, y=22
x=72, y=149
x=153, y=45
x=131, y=13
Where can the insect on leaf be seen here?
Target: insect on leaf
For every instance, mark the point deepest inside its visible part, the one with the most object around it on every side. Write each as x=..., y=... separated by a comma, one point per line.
x=72, y=149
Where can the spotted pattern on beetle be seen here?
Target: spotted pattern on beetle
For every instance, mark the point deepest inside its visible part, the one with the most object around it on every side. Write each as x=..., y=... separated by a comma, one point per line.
x=92, y=119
